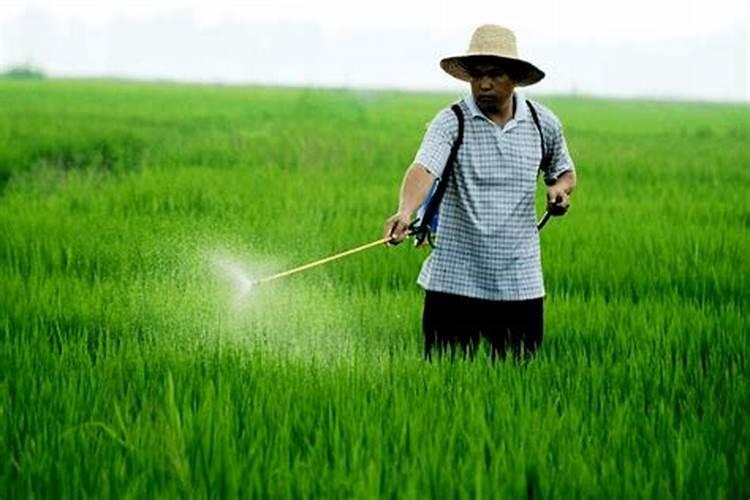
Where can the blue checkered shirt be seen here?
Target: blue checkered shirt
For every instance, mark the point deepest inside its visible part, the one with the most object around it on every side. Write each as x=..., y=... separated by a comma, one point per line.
x=488, y=245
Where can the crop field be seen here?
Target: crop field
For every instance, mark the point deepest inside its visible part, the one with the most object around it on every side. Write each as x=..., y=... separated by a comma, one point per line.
x=132, y=365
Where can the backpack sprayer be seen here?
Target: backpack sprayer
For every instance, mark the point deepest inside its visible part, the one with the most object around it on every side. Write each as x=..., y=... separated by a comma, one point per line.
x=424, y=227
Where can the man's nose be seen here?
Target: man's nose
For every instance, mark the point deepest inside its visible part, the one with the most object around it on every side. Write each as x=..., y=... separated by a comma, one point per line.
x=485, y=83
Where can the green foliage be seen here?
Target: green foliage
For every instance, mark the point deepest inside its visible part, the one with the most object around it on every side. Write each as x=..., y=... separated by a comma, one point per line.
x=128, y=368
x=22, y=73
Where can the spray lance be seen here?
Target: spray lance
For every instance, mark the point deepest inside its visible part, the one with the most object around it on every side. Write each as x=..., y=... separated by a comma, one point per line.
x=414, y=229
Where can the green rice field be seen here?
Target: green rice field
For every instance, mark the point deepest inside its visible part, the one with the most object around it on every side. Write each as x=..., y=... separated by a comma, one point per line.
x=131, y=366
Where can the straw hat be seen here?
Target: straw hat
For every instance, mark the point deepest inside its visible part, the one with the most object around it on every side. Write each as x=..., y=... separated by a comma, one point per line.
x=490, y=40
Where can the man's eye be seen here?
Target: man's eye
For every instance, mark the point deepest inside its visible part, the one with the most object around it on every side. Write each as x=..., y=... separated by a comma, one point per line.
x=493, y=73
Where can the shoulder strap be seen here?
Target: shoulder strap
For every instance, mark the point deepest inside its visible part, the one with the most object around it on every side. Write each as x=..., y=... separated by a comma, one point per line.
x=423, y=229
x=546, y=158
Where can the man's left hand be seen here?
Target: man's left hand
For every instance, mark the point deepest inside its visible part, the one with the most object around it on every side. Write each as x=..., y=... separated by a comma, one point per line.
x=558, y=199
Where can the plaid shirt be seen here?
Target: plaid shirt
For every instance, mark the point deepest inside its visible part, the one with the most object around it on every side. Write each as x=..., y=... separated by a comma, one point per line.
x=488, y=245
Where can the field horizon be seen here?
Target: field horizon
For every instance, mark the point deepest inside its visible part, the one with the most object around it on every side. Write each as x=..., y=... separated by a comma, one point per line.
x=125, y=80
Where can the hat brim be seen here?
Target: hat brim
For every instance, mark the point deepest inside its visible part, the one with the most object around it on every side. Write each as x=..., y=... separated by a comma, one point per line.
x=528, y=74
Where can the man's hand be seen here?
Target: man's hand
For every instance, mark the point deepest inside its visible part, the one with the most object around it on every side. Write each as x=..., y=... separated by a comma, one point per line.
x=396, y=228
x=414, y=188
x=558, y=200
x=558, y=194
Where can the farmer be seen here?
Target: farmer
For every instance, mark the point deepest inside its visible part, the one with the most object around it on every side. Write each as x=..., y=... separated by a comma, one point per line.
x=484, y=277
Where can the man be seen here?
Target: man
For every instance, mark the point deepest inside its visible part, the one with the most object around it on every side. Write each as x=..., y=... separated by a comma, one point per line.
x=484, y=277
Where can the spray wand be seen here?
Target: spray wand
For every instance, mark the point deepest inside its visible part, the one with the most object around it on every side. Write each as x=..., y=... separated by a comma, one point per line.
x=352, y=251
x=320, y=262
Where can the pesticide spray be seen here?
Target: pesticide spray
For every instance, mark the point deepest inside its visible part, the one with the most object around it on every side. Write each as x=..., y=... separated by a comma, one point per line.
x=234, y=273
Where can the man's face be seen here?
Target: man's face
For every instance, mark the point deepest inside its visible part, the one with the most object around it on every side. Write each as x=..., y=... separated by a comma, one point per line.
x=491, y=84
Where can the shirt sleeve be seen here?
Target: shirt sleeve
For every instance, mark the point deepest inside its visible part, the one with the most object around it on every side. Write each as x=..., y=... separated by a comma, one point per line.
x=437, y=142
x=561, y=160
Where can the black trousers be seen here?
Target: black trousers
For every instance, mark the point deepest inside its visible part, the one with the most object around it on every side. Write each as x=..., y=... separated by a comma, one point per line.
x=454, y=323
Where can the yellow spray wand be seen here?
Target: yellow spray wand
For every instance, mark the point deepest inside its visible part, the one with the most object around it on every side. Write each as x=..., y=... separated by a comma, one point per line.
x=372, y=244
x=320, y=262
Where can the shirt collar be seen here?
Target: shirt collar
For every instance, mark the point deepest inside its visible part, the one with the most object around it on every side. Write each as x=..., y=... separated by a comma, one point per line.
x=520, y=115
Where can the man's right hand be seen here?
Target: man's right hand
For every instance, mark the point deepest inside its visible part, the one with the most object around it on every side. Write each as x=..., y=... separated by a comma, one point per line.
x=397, y=228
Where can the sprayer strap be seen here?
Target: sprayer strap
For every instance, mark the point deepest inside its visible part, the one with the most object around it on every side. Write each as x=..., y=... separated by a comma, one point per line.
x=434, y=202
x=546, y=158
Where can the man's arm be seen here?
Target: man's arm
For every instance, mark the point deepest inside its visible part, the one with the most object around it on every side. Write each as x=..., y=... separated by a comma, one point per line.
x=558, y=194
x=419, y=178
x=414, y=189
